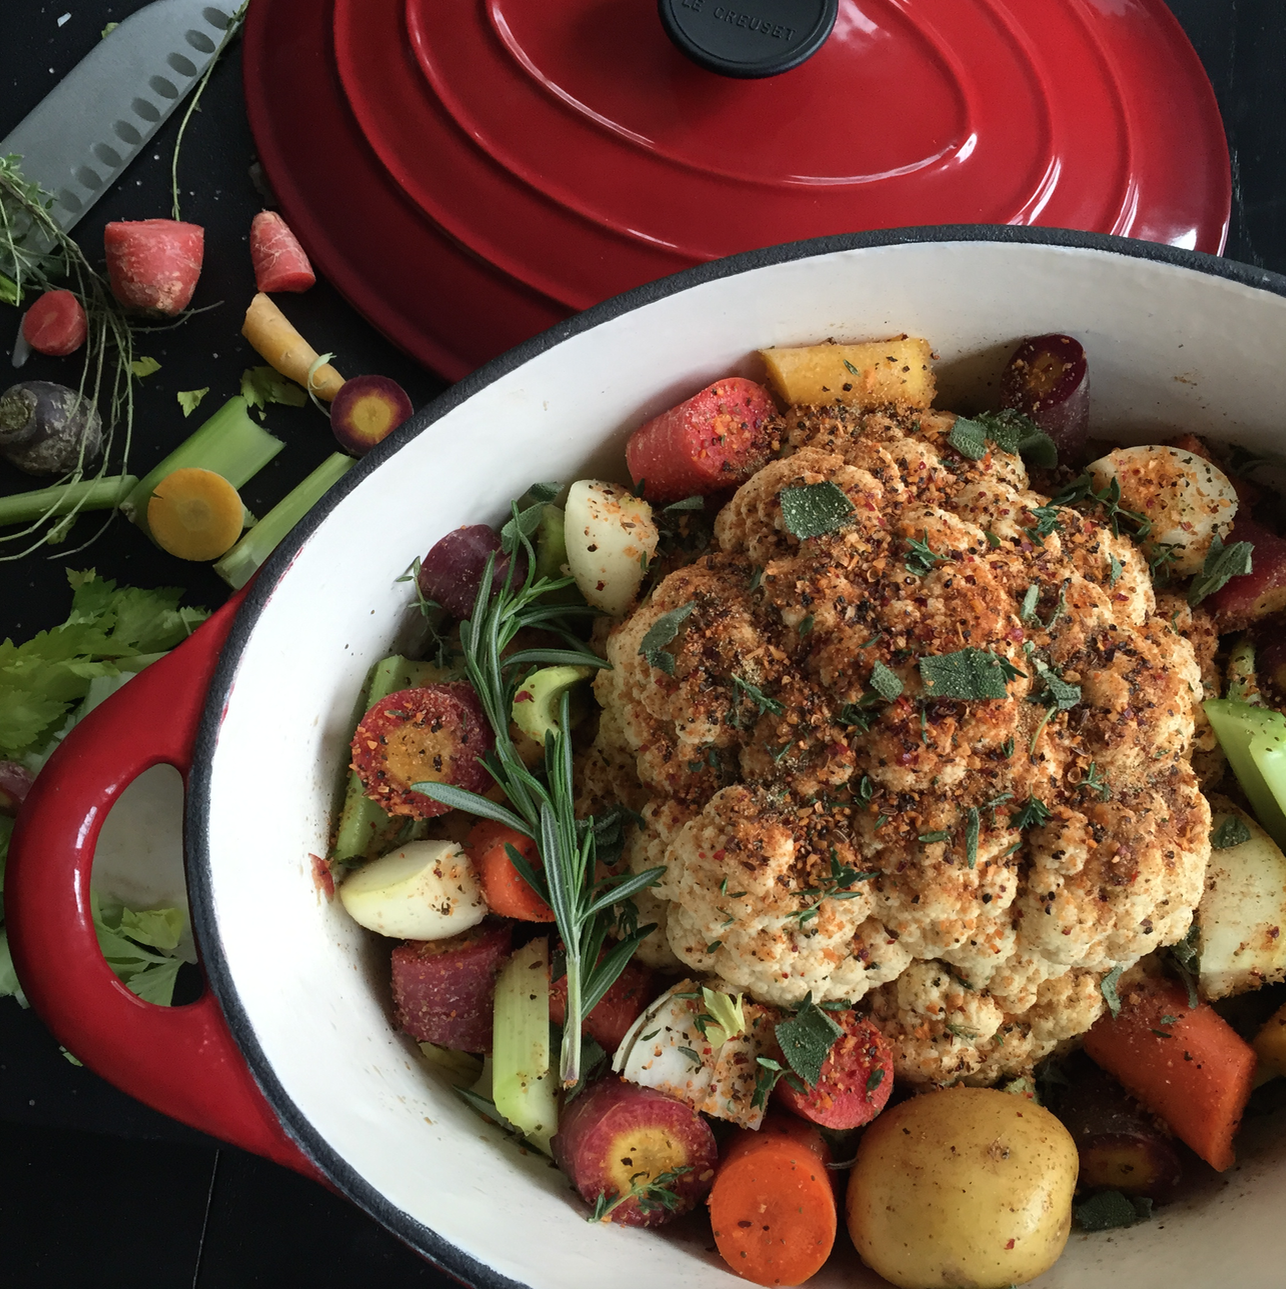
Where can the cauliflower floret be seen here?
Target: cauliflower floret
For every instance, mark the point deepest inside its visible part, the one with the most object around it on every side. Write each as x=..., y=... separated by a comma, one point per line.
x=837, y=818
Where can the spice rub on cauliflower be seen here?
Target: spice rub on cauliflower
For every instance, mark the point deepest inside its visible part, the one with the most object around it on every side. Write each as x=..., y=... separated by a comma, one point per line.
x=911, y=734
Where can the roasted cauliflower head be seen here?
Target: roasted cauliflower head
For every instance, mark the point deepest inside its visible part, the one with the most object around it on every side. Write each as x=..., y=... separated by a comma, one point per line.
x=911, y=732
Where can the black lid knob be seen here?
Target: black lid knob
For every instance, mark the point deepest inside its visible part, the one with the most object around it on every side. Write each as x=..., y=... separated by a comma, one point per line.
x=748, y=38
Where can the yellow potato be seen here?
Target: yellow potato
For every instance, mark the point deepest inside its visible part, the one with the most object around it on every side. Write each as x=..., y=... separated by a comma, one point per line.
x=868, y=375
x=970, y=1188
x=1188, y=501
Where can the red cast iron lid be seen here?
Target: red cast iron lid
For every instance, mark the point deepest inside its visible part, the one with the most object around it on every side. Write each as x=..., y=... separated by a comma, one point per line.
x=518, y=161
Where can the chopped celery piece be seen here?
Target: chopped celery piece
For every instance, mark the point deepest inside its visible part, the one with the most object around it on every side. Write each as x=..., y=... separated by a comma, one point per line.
x=536, y=704
x=1243, y=681
x=522, y=1081
x=365, y=829
x=244, y=560
x=551, y=543
x=461, y=1069
x=230, y=443
x=1254, y=739
x=63, y=498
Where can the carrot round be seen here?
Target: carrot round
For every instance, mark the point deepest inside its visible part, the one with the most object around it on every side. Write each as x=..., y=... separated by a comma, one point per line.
x=772, y=1207
x=195, y=514
x=1187, y=1065
x=506, y=889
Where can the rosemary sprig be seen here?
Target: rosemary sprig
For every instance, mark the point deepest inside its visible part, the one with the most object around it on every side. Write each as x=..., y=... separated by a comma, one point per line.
x=542, y=807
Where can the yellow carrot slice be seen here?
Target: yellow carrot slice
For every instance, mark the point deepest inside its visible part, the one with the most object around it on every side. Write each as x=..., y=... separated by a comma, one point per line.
x=275, y=339
x=195, y=514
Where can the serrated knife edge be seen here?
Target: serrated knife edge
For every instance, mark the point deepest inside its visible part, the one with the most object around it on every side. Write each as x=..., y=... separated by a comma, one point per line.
x=83, y=134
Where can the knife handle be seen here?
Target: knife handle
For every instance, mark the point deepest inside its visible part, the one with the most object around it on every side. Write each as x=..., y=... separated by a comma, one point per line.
x=182, y=1061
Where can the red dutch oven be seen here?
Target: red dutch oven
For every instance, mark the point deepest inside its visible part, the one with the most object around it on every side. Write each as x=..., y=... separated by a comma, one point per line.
x=291, y=1052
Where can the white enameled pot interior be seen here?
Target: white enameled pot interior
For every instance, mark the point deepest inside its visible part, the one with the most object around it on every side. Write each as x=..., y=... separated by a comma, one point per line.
x=1170, y=348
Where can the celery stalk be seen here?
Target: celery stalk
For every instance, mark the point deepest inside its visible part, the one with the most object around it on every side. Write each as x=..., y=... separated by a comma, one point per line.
x=522, y=1081
x=1254, y=739
x=244, y=560
x=364, y=829
x=230, y=443
x=62, y=498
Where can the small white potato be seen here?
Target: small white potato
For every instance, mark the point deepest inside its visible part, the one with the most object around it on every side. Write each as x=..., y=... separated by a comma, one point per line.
x=610, y=540
x=965, y=1187
x=1188, y=500
x=427, y=890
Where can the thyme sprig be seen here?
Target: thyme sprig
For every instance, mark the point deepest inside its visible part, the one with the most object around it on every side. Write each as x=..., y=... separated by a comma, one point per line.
x=654, y=1194
x=542, y=806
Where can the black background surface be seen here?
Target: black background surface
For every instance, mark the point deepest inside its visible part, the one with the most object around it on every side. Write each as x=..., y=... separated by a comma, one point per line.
x=96, y=1189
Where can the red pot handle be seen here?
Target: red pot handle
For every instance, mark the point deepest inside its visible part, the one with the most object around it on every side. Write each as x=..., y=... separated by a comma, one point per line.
x=183, y=1060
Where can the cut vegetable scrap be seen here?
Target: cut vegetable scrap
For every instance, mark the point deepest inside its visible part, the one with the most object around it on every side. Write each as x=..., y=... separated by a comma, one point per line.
x=280, y=263
x=276, y=341
x=366, y=411
x=55, y=324
x=154, y=263
x=195, y=514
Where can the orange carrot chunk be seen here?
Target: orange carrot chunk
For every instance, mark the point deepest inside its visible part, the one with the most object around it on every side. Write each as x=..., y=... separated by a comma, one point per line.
x=772, y=1207
x=506, y=889
x=1186, y=1065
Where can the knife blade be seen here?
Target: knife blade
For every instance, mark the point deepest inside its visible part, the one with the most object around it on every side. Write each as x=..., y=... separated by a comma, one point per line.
x=102, y=114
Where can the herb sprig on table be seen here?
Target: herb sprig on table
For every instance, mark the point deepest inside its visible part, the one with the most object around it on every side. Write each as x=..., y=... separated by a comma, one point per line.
x=541, y=806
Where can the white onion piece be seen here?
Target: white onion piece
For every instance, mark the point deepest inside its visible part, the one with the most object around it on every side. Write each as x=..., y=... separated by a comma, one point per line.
x=427, y=890
x=610, y=539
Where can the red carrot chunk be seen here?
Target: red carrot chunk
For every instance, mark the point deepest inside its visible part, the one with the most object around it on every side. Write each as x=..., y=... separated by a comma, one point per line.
x=611, y=1017
x=1249, y=597
x=55, y=324
x=644, y=1156
x=433, y=734
x=1186, y=1065
x=855, y=1082
x=505, y=888
x=280, y=263
x=154, y=263
x=444, y=990
x=712, y=441
x=772, y=1206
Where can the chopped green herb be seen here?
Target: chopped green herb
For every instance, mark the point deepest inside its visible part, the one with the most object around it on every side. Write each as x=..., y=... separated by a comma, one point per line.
x=1031, y=814
x=851, y=368
x=973, y=823
x=967, y=674
x=758, y=697
x=805, y=625
x=992, y=540
x=691, y=1055
x=263, y=385
x=1010, y=430
x=880, y=821
x=921, y=559
x=1110, y=1210
x=866, y=644
x=814, y=509
x=1222, y=562
x=874, y=1079
x=1186, y=959
x=1114, y=570
x=144, y=366
x=661, y=633
x=1232, y=832
x=1047, y=522
x=714, y=946
x=779, y=755
x=806, y=1040
x=190, y=399
x=688, y=503
x=886, y=682
x=1027, y=613
x=930, y=837
x=654, y=1194
x=1107, y=987
x=1094, y=782
x=1082, y=489
x=766, y=1077
x=1059, y=694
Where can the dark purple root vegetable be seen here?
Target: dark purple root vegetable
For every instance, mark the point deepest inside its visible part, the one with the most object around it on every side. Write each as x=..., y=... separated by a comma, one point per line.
x=1047, y=378
x=1271, y=663
x=1120, y=1148
x=451, y=572
x=48, y=429
x=15, y=781
x=444, y=990
x=366, y=411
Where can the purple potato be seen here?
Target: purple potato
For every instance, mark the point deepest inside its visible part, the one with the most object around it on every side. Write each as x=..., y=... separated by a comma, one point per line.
x=452, y=571
x=1047, y=378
